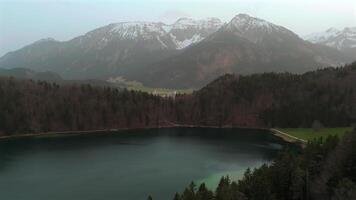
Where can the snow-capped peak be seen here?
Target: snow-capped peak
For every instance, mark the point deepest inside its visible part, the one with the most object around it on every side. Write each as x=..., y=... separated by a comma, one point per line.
x=186, y=31
x=350, y=31
x=339, y=39
x=322, y=36
x=182, y=33
x=244, y=22
x=184, y=23
x=256, y=30
x=332, y=30
x=132, y=30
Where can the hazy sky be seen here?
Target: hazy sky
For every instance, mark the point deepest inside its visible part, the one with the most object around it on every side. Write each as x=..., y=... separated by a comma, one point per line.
x=25, y=21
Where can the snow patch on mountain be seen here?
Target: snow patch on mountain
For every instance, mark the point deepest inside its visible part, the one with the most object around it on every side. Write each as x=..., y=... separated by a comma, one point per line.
x=160, y=41
x=187, y=42
x=185, y=23
x=167, y=28
x=340, y=39
x=322, y=36
x=244, y=23
x=133, y=30
x=256, y=30
x=187, y=31
x=182, y=33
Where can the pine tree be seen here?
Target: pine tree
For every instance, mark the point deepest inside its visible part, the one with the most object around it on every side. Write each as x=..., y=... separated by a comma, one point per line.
x=203, y=193
x=177, y=197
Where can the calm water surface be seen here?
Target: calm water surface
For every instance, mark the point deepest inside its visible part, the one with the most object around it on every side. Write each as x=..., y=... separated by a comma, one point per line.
x=130, y=165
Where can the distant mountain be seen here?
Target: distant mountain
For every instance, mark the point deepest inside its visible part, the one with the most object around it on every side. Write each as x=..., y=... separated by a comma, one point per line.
x=157, y=35
x=115, y=49
x=244, y=45
x=343, y=40
x=188, y=53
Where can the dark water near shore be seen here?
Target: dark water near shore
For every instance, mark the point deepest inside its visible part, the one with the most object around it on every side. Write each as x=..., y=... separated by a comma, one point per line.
x=130, y=165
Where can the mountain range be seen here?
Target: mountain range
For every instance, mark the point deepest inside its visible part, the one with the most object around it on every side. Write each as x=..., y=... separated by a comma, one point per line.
x=186, y=54
x=343, y=40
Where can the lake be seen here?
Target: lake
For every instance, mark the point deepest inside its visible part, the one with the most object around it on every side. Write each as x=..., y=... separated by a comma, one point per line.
x=129, y=165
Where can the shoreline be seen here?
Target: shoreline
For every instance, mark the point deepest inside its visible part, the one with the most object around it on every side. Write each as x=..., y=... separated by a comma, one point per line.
x=111, y=131
x=284, y=136
x=288, y=138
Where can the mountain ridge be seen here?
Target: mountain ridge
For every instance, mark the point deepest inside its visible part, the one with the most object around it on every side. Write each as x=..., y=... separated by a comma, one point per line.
x=343, y=40
x=187, y=53
x=245, y=45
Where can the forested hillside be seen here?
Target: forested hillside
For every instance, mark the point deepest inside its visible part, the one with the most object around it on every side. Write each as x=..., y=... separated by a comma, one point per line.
x=323, y=171
x=260, y=100
x=27, y=106
x=271, y=99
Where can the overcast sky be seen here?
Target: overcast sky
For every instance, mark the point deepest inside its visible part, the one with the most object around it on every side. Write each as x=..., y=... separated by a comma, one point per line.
x=25, y=21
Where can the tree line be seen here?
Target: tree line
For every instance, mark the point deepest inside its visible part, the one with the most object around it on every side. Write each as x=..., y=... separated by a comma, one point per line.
x=324, y=170
x=28, y=106
x=276, y=99
x=260, y=100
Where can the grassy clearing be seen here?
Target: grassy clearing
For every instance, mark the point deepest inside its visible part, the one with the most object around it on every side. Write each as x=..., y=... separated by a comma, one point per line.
x=309, y=133
x=142, y=88
x=138, y=86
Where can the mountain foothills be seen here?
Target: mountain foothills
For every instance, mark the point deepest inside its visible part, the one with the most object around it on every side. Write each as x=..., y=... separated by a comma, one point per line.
x=186, y=54
x=23, y=73
x=343, y=40
x=260, y=100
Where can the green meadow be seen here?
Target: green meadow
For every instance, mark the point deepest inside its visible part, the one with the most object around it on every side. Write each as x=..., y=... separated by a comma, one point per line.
x=309, y=133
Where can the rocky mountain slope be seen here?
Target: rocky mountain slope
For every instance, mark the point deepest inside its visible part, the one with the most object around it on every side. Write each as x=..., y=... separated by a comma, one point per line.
x=115, y=49
x=188, y=53
x=245, y=45
x=343, y=40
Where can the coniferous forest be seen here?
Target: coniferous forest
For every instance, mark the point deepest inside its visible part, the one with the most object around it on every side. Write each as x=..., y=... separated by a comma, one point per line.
x=260, y=100
x=325, y=169
x=177, y=100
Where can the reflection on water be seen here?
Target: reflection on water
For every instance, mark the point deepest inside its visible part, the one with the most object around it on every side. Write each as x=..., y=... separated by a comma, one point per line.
x=129, y=165
x=213, y=180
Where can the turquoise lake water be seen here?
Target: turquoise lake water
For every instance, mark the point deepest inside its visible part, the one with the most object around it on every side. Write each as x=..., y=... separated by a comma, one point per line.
x=129, y=165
